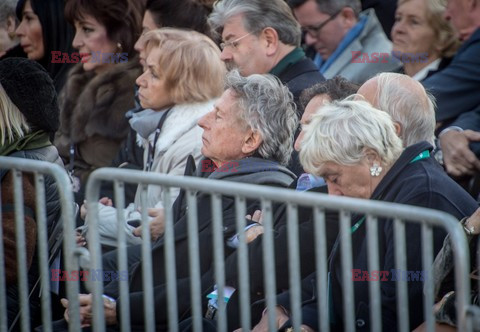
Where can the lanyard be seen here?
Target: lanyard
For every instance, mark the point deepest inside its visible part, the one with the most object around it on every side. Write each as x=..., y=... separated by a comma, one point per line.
x=423, y=155
x=151, y=149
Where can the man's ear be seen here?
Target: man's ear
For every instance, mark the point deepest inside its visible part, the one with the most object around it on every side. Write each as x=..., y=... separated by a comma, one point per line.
x=349, y=19
x=398, y=129
x=252, y=142
x=270, y=37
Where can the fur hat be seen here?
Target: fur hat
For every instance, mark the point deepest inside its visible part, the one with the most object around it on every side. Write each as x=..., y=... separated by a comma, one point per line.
x=31, y=89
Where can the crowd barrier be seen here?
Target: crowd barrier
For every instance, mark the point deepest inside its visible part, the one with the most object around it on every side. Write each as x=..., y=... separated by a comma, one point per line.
x=81, y=257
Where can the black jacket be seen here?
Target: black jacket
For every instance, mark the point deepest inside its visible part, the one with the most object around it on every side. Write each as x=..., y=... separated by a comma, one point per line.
x=421, y=183
x=456, y=87
x=298, y=77
x=250, y=170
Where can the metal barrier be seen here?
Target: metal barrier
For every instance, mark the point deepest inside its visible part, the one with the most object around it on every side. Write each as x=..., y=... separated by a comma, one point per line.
x=266, y=195
x=40, y=169
x=372, y=209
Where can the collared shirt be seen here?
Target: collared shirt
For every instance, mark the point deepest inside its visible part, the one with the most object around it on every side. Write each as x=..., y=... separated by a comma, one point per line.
x=293, y=57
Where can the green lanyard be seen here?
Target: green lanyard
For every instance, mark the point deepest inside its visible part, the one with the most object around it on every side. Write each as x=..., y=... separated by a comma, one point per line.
x=423, y=155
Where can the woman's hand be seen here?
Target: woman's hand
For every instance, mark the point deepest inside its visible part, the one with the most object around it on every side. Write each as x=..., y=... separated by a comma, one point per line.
x=473, y=222
x=83, y=209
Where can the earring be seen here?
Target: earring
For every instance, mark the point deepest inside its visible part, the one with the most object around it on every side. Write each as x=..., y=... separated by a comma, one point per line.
x=119, y=46
x=375, y=170
x=11, y=35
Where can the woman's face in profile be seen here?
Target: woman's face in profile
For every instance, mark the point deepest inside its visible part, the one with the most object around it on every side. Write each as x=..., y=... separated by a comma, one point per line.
x=30, y=33
x=92, y=42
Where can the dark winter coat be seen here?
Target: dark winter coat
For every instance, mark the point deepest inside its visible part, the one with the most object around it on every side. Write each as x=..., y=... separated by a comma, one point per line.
x=422, y=183
x=92, y=115
x=250, y=170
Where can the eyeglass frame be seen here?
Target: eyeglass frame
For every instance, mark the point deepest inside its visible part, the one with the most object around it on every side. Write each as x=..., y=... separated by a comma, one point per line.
x=233, y=43
x=314, y=30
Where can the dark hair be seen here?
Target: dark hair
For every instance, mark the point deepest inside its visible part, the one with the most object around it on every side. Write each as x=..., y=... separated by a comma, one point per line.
x=187, y=14
x=122, y=18
x=57, y=36
x=330, y=7
x=336, y=88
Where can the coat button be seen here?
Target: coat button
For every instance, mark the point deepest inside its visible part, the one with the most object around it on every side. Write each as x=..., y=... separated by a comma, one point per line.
x=360, y=323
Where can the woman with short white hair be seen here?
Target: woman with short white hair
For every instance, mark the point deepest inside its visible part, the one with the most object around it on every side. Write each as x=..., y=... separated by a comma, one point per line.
x=353, y=146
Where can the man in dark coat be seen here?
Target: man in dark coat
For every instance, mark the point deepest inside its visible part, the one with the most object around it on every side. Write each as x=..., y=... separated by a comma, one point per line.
x=262, y=37
x=247, y=138
x=456, y=90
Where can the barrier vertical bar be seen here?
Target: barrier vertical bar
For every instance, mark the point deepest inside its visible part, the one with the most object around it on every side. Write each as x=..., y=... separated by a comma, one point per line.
x=193, y=252
x=3, y=291
x=373, y=265
x=427, y=260
x=270, y=284
x=322, y=269
x=218, y=256
x=171, y=273
x=294, y=265
x=346, y=254
x=21, y=255
x=95, y=255
x=42, y=238
x=119, y=192
x=242, y=262
x=401, y=265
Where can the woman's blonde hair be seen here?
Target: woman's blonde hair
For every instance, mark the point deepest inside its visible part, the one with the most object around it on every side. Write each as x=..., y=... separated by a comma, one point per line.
x=190, y=64
x=13, y=124
x=446, y=38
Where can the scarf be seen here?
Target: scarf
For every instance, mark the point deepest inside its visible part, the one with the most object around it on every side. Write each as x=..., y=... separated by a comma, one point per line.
x=35, y=140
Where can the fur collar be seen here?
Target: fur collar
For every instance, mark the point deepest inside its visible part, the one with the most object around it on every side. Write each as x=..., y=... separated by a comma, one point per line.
x=180, y=120
x=93, y=104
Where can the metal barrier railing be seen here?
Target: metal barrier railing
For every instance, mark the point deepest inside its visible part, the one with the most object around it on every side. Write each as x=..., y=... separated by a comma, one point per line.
x=40, y=169
x=266, y=195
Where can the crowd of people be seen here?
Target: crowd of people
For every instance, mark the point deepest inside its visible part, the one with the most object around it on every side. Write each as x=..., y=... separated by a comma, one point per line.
x=376, y=100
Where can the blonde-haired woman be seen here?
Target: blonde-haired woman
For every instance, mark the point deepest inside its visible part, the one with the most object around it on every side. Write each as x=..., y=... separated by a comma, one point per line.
x=28, y=117
x=422, y=39
x=184, y=75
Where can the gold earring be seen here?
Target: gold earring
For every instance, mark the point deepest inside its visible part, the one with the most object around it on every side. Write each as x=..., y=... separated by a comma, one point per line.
x=119, y=46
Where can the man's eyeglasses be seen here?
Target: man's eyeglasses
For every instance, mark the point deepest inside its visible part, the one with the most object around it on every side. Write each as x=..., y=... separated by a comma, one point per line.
x=314, y=30
x=234, y=43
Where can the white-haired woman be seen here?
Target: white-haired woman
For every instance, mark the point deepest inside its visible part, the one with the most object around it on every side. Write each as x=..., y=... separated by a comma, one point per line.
x=353, y=146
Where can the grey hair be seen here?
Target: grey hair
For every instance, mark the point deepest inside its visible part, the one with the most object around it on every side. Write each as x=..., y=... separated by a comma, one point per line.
x=341, y=131
x=267, y=107
x=7, y=9
x=407, y=102
x=330, y=7
x=258, y=15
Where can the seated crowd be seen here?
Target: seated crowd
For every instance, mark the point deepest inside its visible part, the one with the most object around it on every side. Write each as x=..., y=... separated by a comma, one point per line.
x=309, y=95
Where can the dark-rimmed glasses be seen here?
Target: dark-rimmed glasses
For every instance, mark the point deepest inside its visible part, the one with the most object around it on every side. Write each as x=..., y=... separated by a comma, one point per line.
x=315, y=29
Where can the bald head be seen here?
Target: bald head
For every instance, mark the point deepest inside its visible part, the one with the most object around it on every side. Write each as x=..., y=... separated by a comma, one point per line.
x=407, y=102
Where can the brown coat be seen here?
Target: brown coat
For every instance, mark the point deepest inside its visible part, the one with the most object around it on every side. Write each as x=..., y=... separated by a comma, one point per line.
x=92, y=115
x=8, y=222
